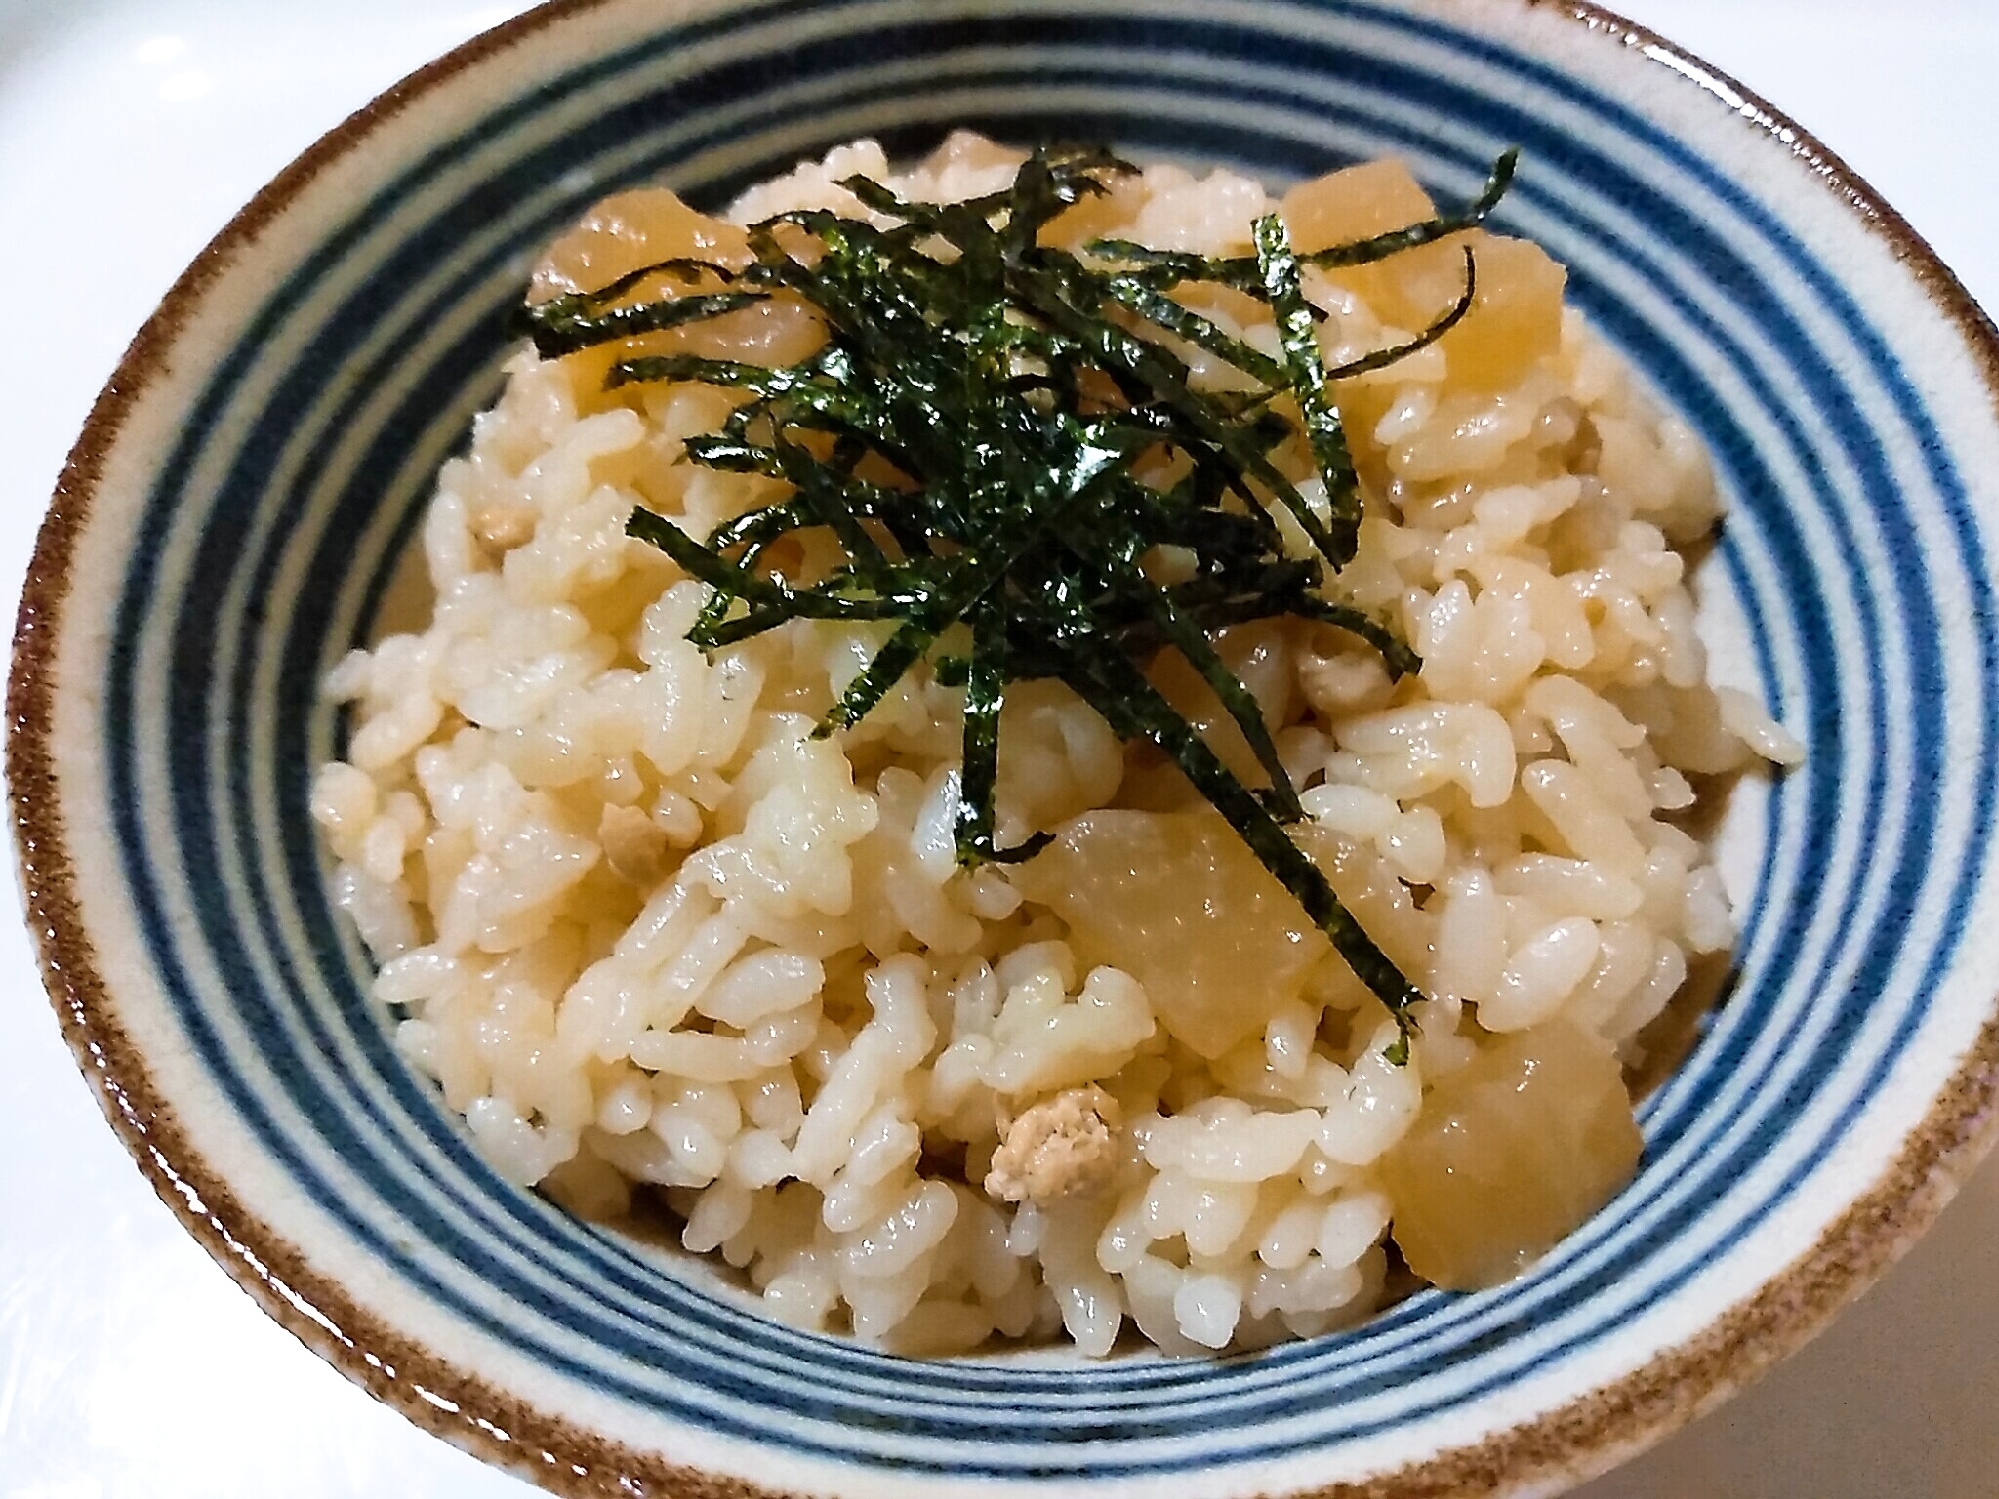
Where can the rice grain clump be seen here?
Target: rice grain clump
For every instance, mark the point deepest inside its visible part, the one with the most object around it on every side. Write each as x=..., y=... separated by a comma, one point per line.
x=646, y=929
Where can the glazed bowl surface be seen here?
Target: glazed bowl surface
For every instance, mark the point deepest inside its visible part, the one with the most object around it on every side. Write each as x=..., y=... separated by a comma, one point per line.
x=238, y=510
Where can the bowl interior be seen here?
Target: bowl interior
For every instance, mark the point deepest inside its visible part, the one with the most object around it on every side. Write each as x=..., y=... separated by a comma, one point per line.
x=1850, y=590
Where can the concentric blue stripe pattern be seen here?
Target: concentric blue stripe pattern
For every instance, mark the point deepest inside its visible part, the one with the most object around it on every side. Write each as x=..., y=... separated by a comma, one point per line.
x=273, y=528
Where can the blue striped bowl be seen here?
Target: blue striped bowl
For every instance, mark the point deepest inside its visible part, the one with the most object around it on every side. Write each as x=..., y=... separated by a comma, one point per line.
x=233, y=515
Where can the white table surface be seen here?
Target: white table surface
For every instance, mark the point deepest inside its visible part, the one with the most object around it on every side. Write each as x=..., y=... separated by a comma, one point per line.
x=130, y=1365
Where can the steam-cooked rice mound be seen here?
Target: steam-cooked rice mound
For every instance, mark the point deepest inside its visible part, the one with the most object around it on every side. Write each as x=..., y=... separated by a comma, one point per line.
x=644, y=929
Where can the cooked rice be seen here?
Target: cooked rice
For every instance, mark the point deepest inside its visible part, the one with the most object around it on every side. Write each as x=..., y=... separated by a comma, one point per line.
x=645, y=929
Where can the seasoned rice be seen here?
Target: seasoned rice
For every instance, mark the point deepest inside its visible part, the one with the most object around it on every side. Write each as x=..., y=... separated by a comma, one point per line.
x=644, y=930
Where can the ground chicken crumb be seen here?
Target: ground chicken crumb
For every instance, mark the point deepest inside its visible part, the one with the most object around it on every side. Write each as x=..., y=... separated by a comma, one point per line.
x=634, y=845
x=1065, y=1146
x=501, y=528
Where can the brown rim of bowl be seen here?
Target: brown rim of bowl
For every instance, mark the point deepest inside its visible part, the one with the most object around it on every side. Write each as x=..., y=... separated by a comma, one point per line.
x=1577, y=1440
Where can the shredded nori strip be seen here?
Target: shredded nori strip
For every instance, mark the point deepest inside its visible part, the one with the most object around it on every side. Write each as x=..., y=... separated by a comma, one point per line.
x=1014, y=389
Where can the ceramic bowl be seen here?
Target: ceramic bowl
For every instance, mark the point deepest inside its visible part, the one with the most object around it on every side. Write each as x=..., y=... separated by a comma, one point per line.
x=233, y=515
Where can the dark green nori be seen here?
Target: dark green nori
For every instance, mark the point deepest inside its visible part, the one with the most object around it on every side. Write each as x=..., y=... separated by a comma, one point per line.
x=982, y=376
